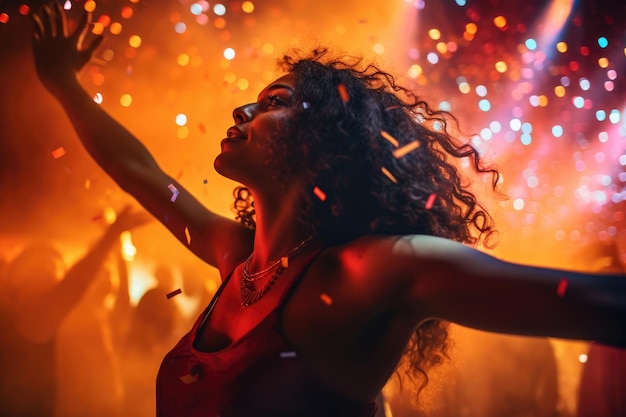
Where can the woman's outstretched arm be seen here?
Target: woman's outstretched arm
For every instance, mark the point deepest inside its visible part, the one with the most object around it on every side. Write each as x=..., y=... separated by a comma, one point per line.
x=59, y=57
x=438, y=278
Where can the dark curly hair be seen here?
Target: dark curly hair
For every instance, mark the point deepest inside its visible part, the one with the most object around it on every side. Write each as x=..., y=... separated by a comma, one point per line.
x=349, y=119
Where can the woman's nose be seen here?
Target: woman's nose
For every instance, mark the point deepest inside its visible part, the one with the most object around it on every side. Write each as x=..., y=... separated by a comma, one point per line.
x=243, y=113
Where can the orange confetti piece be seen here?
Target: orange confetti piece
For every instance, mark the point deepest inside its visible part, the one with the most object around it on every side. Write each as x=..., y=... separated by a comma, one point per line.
x=343, y=93
x=188, y=235
x=284, y=261
x=319, y=193
x=410, y=147
x=431, y=201
x=326, y=299
x=189, y=379
x=389, y=174
x=390, y=138
x=560, y=290
x=174, y=293
x=58, y=152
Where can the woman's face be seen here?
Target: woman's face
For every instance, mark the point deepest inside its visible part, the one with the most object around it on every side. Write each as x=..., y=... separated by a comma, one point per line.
x=245, y=153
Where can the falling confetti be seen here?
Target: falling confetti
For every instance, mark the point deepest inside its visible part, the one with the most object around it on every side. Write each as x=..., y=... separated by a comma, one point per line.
x=174, y=191
x=389, y=174
x=410, y=147
x=188, y=236
x=288, y=354
x=560, y=290
x=306, y=105
x=189, y=379
x=343, y=93
x=390, y=138
x=58, y=152
x=284, y=261
x=431, y=201
x=319, y=193
x=326, y=299
x=174, y=293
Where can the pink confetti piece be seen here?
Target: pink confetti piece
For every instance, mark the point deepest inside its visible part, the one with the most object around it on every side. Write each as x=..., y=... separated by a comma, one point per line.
x=390, y=138
x=319, y=193
x=174, y=293
x=288, y=354
x=285, y=262
x=174, y=191
x=188, y=236
x=58, y=152
x=409, y=147
x=560, y=290
x=326, y=299
x=431, y=201
x=389, y=174
x=189, y=379
x=343, y=93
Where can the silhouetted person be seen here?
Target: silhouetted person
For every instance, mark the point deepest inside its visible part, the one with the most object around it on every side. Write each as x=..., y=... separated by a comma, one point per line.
x=37, y=296
x=602, y=391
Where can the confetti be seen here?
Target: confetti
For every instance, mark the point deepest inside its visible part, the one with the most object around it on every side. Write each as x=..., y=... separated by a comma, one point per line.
x=205, y=181
x=58, y=152
x=400, y=152
x=288, y=354
x=189, y=379
x=319, y=193
x=343, y=93
x=431, y=201
x=188, y=235
x=174, y=191
x=97, y=217
x=174, y=293
x=392, y=108
x=560, y=290
x=389, y=174
x=306, y=105
x=326, y=299
x=390, y=138
x=284, y=261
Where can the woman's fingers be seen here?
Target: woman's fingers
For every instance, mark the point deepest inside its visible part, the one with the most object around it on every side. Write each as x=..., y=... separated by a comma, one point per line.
x=79, y=34
x=59, y=19
x=37, y=26
x=46, y=24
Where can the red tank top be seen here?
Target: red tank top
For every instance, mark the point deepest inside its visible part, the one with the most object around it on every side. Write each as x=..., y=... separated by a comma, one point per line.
x=257, y=375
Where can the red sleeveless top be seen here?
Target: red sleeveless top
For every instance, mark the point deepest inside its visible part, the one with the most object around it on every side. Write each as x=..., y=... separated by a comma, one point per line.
x=257, y=375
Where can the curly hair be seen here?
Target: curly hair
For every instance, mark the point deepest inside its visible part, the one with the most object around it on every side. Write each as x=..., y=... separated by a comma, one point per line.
x=376, y=160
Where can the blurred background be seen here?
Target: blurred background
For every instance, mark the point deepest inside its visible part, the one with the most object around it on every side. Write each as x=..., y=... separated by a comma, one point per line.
x=539, y=87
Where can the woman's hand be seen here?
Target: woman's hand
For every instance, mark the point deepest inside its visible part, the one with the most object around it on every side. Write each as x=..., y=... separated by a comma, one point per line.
x=59, y=56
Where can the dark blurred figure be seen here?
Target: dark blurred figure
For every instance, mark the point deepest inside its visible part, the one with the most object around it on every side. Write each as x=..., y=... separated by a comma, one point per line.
x=602, y=391
x=92, y=386
x=37, y=296
x=151, y=333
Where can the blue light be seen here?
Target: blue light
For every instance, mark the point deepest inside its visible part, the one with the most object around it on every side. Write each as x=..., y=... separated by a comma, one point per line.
x=603, y=42
x=526, y=139
x=600, y=115
x=557, y=131
x=461, y=2
x=484, y=105
x=531, y=44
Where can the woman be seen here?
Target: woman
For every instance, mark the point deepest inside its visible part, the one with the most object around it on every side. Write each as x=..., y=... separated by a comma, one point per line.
x=351, y=255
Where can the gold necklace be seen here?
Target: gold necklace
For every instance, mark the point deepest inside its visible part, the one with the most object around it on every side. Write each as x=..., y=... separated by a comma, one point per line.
x=249, y=294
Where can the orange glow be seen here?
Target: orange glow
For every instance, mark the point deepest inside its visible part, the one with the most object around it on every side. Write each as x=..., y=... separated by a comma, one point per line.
x=499, y=21
x=90, y=6
x=116, y=28
x=126, y=12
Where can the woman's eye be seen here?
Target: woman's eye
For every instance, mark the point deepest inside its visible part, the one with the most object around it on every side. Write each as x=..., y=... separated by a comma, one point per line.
x=273, y=101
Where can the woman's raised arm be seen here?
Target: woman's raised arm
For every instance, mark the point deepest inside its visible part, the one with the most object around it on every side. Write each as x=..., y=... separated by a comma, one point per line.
x=59, y=57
